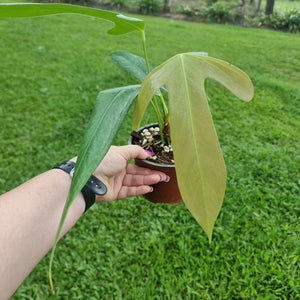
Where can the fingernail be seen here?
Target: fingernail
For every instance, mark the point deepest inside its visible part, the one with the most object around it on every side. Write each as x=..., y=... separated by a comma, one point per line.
x=165, y=180
x=151, y=189
x=149, y=152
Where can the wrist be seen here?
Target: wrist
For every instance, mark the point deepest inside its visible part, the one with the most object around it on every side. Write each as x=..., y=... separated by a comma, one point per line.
x=92, y=188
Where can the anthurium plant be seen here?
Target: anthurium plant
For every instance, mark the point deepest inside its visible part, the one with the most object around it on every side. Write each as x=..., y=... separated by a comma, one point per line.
x=186, y=121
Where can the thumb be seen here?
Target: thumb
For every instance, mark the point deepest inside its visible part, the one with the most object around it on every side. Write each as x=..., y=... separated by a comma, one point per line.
x=133, y=151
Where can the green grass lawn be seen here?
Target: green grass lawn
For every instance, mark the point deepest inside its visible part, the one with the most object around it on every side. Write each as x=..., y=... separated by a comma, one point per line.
x=51, y=70
x=282, y=5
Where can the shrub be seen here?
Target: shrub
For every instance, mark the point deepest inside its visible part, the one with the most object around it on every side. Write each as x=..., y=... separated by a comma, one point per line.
x=289, y=20
x=149, y=6
x=219, y=12
x=75, y=2
x=119, y=3
x=186, y=10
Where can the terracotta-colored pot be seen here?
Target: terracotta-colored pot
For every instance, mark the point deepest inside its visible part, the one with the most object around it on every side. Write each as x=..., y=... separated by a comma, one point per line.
x=163, y=192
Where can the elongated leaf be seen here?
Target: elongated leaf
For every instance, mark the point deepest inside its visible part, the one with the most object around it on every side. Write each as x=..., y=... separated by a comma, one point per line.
x=132, y=64
x=199, y=162
x=109, y=112
x=123, y=24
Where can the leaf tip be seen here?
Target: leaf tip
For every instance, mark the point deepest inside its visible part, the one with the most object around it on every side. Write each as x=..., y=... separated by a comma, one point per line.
x=209, y=238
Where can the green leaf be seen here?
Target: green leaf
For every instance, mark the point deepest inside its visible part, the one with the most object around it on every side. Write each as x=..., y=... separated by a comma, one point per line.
x=199, y=162
x=132, y=64
x=123, y=24
x=109, y=112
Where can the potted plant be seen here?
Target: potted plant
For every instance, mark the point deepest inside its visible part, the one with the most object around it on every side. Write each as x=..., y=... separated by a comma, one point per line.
x=185, y=125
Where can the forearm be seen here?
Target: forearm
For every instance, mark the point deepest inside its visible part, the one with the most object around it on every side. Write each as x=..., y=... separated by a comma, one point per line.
x=30, y=216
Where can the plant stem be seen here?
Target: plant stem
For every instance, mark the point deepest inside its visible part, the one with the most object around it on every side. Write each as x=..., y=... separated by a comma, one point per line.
x=165, y=108
x=162, y=121
x=145, y=51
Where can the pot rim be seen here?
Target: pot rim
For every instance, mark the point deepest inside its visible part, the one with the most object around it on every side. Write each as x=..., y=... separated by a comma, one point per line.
x=147, y=161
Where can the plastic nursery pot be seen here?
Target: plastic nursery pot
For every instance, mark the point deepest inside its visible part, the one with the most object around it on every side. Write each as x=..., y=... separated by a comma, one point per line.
x=163, y=192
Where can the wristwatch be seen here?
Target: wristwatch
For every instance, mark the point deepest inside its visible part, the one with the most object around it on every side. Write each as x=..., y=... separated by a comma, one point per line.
x=93, y=187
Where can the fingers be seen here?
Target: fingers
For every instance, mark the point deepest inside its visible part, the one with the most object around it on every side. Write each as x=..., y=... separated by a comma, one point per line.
x=130, y=180
x=133, y=191
x=137, y=170
x=137, y=176
x=139, y=181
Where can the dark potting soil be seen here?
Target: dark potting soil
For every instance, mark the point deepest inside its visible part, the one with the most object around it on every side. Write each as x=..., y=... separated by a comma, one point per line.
x=150, y=140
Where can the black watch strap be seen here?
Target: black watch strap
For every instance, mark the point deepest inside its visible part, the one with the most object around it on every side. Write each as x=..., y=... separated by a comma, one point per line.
x=93, y=187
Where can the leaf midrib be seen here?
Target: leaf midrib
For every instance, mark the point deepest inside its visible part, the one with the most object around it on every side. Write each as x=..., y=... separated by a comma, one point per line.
x=100, y=122
x=198, y=163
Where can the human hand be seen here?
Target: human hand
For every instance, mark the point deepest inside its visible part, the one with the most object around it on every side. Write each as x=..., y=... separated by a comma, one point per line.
x=126, y=180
